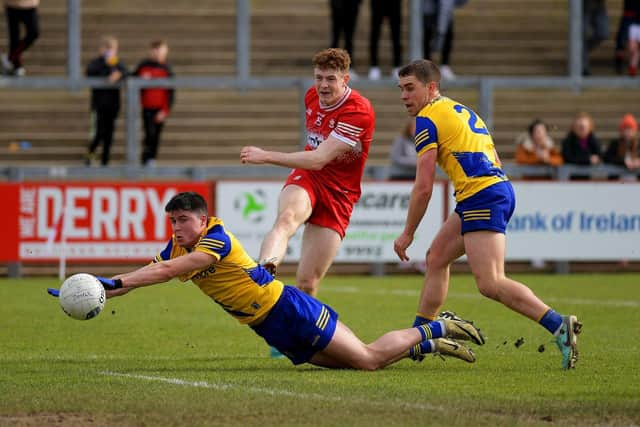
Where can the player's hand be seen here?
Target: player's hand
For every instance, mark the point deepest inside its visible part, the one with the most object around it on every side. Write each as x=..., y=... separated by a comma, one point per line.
x=53, y=292
x=253, y=155
x=401, y=244
x=160, y=116
x=110, y=284
x=114, y=76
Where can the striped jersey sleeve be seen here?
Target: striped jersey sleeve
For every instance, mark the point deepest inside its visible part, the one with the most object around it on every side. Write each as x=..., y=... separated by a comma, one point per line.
x=426, y=137
x=351, y=127
x=216, y=243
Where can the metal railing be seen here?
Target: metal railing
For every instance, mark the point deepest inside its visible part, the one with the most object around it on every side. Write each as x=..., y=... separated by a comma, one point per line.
x=243, y=37
x=486, y=86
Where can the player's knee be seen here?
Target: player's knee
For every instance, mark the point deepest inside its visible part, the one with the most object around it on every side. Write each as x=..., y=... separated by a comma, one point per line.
x=287, y=220
x=435, y=259
x=366, y=364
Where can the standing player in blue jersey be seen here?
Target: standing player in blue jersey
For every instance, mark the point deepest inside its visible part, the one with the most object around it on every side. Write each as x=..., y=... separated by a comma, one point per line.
x=454, y=137
x=304, y=329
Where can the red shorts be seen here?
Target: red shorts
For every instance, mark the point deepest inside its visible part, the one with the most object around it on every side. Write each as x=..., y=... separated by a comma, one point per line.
x=330, y=208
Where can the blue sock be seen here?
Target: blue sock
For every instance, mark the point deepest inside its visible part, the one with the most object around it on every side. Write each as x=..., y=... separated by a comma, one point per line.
x=421, y=320
x=551, y=321
x=417, y=350
x=431, y=330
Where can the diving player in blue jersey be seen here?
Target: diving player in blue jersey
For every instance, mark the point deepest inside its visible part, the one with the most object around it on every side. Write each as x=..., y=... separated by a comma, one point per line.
x=455, y=137
x=304, y=329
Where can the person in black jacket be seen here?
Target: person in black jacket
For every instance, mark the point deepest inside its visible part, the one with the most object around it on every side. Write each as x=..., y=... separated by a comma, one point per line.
x=581, y=146
x=105, y=103
x=156, y=102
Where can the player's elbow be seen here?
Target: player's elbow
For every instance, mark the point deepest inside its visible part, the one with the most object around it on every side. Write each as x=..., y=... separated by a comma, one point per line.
x=423, y=191
x=318, y=163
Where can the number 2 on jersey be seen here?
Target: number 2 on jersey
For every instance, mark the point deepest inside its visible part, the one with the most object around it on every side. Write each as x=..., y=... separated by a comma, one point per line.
x=473, y=119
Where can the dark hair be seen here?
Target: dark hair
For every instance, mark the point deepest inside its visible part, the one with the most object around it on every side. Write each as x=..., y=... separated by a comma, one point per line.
x=332, y=58
x=423, y=69
x=187, y=201
x=535, y=123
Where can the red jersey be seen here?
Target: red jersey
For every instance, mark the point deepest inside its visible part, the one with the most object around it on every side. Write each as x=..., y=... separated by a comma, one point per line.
x=155, y=98
x=350, y=120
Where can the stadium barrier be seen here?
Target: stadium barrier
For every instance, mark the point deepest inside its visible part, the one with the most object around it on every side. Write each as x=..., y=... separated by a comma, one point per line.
x=123, y=221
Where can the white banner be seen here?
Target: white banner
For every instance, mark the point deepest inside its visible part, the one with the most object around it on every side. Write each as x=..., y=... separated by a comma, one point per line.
x=575, y=221
x=249, y=209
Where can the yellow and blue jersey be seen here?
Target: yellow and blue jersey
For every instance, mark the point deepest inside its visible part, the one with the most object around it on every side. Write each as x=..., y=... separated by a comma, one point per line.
x=235, y=281
x=465, y=148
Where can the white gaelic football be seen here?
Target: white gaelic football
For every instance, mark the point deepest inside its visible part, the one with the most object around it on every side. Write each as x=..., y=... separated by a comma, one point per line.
x=82, y=296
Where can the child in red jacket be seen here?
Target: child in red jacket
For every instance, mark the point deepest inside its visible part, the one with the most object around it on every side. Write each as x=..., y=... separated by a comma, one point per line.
x=156, y=102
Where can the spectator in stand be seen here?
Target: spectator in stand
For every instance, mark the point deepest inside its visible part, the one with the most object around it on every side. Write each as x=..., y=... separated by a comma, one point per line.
x=392, y=9
x=344, y=16
x=581, y=146
x=18, y=12
x=536, y=147
x=156, y=102
x=438, y=32
x=623, y=151
x=622, y=36
x=403, y=154
x=595, y=29
x=634, y=38
x=105, y=103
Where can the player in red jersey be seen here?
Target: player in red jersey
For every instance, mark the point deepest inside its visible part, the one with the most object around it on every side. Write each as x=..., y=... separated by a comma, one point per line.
x=325, y=181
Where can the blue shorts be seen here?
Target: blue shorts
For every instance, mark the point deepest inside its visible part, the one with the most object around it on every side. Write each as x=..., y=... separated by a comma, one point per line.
x=489, y=209
x=298, y=325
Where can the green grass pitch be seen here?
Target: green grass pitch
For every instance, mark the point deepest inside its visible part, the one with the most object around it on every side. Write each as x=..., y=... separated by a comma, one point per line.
x=168, y=356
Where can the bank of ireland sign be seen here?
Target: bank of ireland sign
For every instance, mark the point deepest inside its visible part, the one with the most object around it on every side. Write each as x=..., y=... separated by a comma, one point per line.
x=575, y=221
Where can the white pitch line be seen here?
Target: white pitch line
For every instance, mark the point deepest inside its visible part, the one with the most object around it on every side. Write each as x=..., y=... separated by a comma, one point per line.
x=273, y=392
x=415, y=293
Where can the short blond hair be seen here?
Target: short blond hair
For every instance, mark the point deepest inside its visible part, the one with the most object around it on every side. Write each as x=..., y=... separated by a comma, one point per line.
x=108, y=42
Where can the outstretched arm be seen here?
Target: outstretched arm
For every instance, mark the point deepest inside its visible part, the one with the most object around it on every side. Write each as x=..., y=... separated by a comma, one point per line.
x=163, y=271
x=152, y=274
x=316, y=159
x=160, y=272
